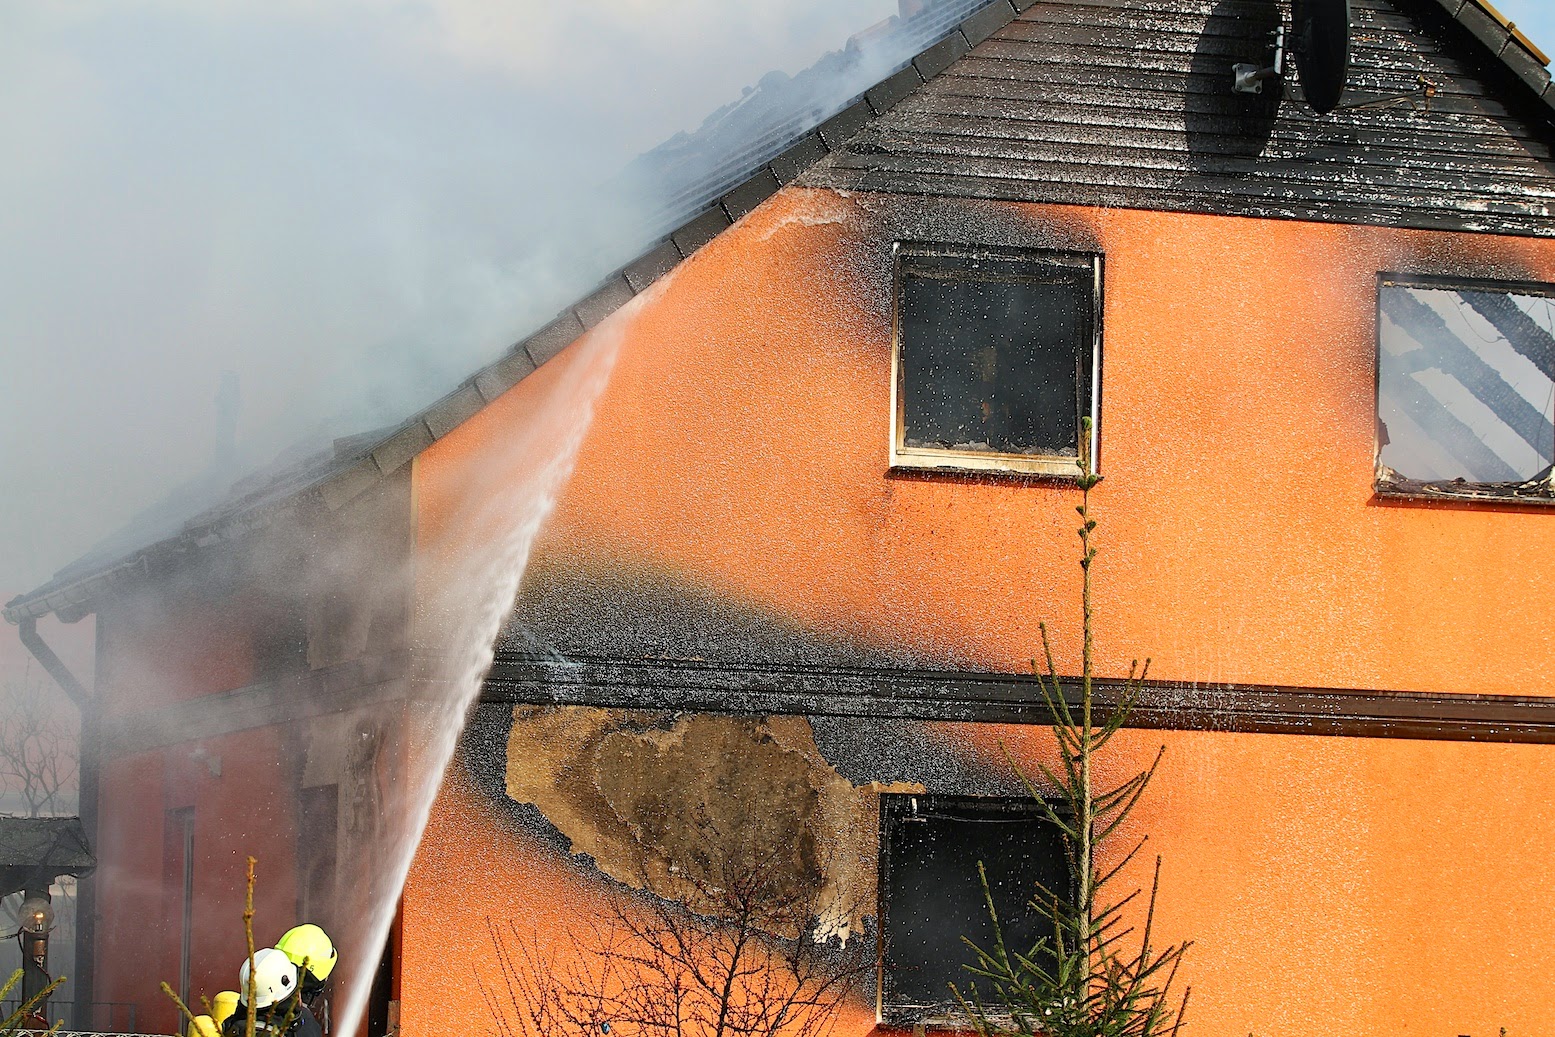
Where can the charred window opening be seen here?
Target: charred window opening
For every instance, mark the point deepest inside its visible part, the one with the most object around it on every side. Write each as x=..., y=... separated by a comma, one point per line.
x=998, y=358
x=931, y=896
x=1465, y=388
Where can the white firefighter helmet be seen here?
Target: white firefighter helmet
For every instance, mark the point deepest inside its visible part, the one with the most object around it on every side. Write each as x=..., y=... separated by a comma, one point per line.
x=275, y=978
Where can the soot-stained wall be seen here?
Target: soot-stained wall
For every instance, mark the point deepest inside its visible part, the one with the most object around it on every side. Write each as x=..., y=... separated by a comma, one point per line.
x=732, y=497
x=732, y=500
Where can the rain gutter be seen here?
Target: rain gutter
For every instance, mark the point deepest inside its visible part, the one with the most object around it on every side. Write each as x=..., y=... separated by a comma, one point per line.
x=52, y=663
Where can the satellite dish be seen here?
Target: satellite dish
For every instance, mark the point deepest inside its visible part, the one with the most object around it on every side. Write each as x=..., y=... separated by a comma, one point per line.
x=1322, y=50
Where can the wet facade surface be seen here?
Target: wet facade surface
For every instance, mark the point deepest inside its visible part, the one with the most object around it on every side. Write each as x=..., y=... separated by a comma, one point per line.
x=733, y=541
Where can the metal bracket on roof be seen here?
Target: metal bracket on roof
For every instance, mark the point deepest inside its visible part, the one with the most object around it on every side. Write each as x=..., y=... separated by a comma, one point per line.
x=1249, y=79
x=1419, y=99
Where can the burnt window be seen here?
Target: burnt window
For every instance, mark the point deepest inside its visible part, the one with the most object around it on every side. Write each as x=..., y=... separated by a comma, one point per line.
x=931, y=896
x=998, y=358
x=1465, y=388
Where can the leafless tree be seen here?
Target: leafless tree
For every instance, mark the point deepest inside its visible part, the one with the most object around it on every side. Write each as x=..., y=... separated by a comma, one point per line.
x=727, y=948
x=38, y=778
x=38, y=763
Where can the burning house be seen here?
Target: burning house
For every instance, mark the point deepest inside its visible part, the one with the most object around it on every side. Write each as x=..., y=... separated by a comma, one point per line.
x=765, y=526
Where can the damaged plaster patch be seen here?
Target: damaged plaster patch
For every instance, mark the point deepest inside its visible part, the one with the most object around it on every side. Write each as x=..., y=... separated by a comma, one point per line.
x=660, y=802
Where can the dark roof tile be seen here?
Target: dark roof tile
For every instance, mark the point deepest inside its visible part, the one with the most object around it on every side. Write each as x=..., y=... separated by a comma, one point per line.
x=604, y=300
x=458, y=406
x=884, y=95
x=751, y=193
x=402, y=446
x=1527, y=68
x=787, y=166
x=1485, y=28
x=554, y=337
x=346, y=485
x=700, y=230
x=845, y=124
x=501, y=376
x=987, y=21
x=940, y=56
x=651, y=266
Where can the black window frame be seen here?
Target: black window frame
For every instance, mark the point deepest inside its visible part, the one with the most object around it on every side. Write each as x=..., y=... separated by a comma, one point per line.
x=896, y=1012
x=1058, y=466
x=1390, y=484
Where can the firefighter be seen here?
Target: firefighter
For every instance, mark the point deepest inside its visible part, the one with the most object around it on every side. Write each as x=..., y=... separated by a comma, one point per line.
x=278, y=1010
x=309, y=948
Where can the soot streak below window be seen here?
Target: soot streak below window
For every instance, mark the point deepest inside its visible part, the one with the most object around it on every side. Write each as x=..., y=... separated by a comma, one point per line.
x=931, y=896
x=997, y=358
x=1465, y=389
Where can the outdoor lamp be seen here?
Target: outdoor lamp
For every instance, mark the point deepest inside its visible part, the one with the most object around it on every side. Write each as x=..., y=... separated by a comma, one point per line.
x=36, y=920
x=36, y=915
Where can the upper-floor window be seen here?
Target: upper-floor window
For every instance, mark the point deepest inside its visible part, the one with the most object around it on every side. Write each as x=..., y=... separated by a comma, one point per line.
x=997, y=359
x=1465, y=388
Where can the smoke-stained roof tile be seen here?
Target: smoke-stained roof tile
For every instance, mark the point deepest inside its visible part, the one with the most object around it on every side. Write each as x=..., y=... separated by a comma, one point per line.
x=1536, y=76
x=652, y=265
x=554, y=337
x=885, y=95
x=1489, y=31
x=987, y=21
x=810, y=150
x=402, y=446
x=348, y=484
x=460, y=405
x=603, y=301
x=750, y=194
x=840, y=127
x=941, y=56
x=501, y=376
x=700, y=230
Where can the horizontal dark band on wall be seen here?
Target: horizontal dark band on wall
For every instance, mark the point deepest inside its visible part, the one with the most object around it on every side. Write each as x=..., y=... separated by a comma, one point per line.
x=349, y=685
x=1014, y=699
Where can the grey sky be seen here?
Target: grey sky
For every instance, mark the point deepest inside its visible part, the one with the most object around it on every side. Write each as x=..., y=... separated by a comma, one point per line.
x=334, y=200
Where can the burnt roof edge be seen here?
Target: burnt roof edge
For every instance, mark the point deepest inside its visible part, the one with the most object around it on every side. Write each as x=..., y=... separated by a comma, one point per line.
x=1506, y=44
x=405, y=441
x=399, y=445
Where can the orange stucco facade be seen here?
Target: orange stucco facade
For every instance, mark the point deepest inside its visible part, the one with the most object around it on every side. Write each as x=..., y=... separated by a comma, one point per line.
x=739, y=445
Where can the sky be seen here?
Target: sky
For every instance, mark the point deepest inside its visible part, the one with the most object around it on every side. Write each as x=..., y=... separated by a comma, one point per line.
x=1536, y=18
x=336, y=201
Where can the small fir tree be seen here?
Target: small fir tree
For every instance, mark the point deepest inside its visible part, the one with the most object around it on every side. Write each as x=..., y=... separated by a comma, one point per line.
x=1095, y=976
